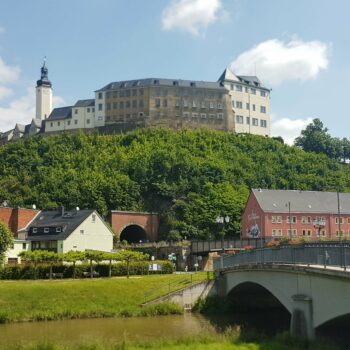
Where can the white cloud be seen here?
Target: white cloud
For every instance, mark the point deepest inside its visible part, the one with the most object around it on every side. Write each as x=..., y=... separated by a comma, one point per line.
x=58, y=101
x=276, y=61
x=288, y=128
x=5, y=92
x=192, y=16
x=8, y=74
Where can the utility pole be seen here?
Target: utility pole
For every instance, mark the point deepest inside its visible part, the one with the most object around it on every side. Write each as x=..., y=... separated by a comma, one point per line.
x=339, y=224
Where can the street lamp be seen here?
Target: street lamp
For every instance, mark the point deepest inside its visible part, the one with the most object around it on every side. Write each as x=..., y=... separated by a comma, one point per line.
x=221, y=221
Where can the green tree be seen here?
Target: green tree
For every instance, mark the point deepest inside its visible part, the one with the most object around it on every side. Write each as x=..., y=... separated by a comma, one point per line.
x=6, y=241
x=73, y=257
x=128, y=256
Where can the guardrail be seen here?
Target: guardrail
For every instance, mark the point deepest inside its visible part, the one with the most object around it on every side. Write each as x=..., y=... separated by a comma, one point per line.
x=227, y=244
x=326, y=254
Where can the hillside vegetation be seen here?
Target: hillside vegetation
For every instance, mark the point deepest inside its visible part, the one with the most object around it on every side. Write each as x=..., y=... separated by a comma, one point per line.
x=189, y=177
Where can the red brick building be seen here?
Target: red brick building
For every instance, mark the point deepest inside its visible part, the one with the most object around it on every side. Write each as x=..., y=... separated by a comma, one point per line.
x=288, y=213
x=17, y=218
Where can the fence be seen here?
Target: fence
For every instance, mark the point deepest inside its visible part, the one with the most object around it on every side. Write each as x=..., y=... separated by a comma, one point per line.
x=326, y=254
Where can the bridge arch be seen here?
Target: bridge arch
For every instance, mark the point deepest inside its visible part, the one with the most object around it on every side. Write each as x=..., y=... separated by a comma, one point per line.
x=251, y=295
x=312, y=292
x=133, y=233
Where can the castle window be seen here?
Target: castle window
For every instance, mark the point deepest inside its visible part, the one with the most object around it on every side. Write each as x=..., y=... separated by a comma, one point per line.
x=100, y=95
x=141, y=103
x=263, y=123
x=219, y=105
x=262, y=109
x=157, y=102
x=263, y=93
x=255, y=122
x=165, y=102
x=87, y=121
x=238, y=88
x=100, y=106
x=75, y=121
x=76, y=111
x=58, y=123
x=253, y=91
x=134, y=92
x=239, y=119
x=51, y=124
x=134, y=103
x=68, y=122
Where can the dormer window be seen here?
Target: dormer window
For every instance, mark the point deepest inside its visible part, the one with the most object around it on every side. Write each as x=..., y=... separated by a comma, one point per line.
x=193, y=84
x=58, y=229
x=175, y=83
x=155, y=82
x=46, y=230
x=34, y=230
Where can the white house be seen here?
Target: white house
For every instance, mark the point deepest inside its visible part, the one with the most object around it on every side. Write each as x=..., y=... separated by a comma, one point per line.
x=62, y=231
x=19, y=245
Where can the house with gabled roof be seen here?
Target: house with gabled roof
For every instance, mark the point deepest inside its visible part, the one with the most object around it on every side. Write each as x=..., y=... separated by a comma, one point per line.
x=62, y=231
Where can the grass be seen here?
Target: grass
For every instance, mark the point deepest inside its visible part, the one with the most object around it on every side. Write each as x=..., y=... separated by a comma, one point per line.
x=69, y=299
x=230, y=340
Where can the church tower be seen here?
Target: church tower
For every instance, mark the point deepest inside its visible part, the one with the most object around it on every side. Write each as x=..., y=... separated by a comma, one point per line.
x=43, y=94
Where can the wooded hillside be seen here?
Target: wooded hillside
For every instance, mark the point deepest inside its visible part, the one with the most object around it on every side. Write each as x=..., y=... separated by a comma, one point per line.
x=188, y=176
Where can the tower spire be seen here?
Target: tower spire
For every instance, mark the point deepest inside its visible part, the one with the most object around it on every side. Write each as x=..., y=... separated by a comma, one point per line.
x=44, y=81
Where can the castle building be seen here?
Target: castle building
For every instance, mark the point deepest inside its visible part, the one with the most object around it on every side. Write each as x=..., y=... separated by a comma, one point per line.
x=168, y=103
x=239, y=104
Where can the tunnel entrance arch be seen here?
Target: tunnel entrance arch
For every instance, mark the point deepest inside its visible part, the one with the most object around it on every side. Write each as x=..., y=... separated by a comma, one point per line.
x=133, y=234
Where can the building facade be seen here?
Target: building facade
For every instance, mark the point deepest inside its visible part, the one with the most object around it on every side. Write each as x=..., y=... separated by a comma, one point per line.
x=250, y=100
x=287, y=213
x=166, y=103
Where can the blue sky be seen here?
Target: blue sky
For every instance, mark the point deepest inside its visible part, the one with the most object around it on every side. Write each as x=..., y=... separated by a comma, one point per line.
x=301, y=49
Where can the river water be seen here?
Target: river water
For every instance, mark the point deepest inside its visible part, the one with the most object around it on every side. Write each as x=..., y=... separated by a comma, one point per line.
x=106, y=330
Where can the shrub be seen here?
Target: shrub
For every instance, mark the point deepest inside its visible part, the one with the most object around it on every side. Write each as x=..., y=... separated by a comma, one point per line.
x=42, y=271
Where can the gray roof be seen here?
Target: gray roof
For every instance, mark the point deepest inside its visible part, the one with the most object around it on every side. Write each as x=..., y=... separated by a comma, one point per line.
x=60, y=113
x=85, y=103
x=69, y=221
x=302, y=201
x=162, y=82
x=250, y=80
x=20, y=127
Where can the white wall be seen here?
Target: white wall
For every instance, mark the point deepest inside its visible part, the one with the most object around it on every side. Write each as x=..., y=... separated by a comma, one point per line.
x=256, y=100
x=17, y=248
x=94, y=235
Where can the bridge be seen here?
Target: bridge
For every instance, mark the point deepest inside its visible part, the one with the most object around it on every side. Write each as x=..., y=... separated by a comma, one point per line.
x=311, y=281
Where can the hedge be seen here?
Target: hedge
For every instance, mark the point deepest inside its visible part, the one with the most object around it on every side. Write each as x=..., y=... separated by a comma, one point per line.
x=42, y=271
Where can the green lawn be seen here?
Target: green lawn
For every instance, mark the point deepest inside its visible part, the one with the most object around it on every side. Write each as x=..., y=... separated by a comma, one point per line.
x=63, y=299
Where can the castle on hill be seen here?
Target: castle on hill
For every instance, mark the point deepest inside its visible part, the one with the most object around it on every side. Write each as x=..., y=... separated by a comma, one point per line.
x=234, y=103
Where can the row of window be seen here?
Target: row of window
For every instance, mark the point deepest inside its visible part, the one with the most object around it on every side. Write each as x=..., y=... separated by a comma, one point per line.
x=122, y=93
x=253, y=91
x=88, y=110
x=203, y=115
x=254, y=121
x=124, y=104
x=69, y=122
x=305, y=232
x=277, y=219
x=239, y=105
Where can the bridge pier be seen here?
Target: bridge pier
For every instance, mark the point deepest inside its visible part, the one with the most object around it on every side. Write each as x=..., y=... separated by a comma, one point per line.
x=301, y=324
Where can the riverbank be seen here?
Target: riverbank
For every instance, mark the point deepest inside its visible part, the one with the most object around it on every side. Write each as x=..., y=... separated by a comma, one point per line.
x=230, y=340
x=71, y=299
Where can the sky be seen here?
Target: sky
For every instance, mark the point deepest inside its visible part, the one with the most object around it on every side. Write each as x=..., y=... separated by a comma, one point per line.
x=299, y=49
